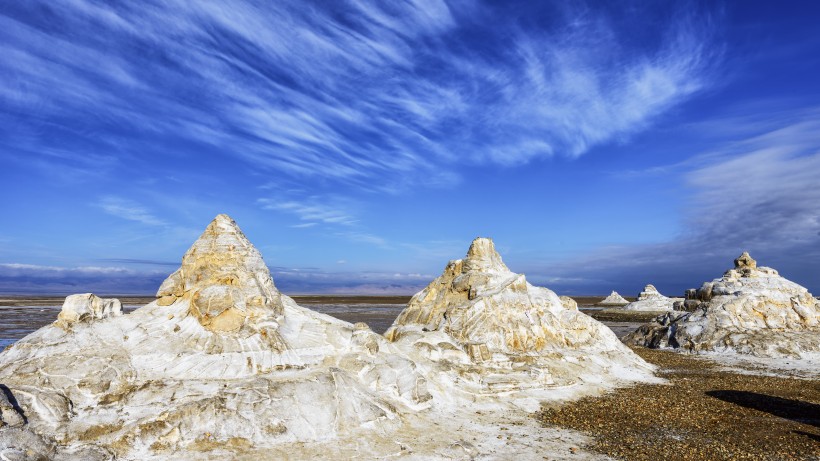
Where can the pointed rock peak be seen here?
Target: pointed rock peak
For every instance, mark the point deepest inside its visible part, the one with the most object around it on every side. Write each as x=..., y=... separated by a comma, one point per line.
x=482, y=257
x=224, y=278
x=745, y=261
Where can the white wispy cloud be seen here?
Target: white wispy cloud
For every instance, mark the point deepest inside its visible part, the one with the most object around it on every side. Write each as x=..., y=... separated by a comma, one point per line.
x=756, y=194
x=386, y=99
x=313, y=210
x=40, y=269
x=364, y=237
x=130, y=210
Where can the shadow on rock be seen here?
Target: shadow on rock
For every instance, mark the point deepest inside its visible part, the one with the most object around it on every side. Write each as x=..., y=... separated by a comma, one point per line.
x=795, y=410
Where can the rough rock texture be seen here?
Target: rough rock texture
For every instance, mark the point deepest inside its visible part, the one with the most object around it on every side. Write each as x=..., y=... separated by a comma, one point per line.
x=225, y=282
x=750, y=310
x=223, y=366
x=569, y=303
x=488, y=328
x=614, y=299
x=650, y=299
x=88, y=307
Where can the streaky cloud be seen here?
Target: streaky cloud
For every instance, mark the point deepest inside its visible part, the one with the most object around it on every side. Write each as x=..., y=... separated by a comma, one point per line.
x=378, y=96
x=757, y=194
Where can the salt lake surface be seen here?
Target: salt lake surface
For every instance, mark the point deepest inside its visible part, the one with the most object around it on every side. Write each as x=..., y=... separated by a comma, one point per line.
x=18, y=321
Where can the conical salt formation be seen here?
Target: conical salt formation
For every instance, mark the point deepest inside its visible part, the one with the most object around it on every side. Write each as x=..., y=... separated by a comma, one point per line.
x=651, y=300
x=614, y=299
x=750, y=310
x=478, y=312
x=223, y=278
x=220, y=363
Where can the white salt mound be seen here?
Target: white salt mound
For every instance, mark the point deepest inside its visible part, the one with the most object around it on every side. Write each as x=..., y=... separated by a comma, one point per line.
x=614, y=299
x=651, y=300
x=224, y=366
x=750, y=310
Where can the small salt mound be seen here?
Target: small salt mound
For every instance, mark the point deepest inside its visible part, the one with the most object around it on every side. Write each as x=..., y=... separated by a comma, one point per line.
x=651, y=300
x=614, y=299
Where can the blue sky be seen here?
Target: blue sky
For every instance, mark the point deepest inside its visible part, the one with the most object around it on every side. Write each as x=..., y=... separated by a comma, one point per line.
x=361, y=145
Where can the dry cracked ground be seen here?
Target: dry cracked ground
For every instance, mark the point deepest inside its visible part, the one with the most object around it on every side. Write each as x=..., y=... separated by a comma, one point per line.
x=703, y=413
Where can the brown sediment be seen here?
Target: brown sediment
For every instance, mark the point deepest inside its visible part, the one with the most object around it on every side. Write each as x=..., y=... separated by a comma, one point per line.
x=703, y=413
x=349, y=299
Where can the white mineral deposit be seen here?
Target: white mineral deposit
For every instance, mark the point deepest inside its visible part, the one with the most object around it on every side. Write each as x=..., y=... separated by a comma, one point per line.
x=224, y=366
x=614, y=299
x=651, y=300
x=750, y=310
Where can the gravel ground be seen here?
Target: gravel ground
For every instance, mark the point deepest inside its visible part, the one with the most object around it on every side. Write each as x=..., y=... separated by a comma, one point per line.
x=702, y=414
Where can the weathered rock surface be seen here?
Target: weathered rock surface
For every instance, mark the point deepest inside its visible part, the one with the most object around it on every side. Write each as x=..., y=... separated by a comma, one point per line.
x=489, y=329
x=569, y=303
x=88, y=307
x=614, y=299
x=750, y=310
x=222, y=365
x=650, y=299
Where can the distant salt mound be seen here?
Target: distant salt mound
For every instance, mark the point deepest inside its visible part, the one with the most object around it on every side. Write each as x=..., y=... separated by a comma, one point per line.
x=614, y=299
x=488, y=329
x=750, y=310
x=650, y=300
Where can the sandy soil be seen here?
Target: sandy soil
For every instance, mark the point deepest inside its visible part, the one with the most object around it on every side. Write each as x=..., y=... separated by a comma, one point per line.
x=705, y=412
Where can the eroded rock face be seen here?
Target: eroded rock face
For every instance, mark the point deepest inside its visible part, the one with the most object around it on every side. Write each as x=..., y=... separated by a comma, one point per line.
x=650, y=299
x=88, y=307
x=478, y=312
x=569, y=303
x=750, y=310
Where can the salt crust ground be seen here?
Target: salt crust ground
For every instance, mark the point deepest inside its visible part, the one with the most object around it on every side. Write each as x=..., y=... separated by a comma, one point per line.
x=804, y=367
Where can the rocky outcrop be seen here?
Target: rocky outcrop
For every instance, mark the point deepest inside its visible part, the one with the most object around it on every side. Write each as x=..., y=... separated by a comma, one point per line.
x=651, y=300
x=222, y=365
x=88, y=307
x=750, y=310
x=479, y=313
x=614, y=299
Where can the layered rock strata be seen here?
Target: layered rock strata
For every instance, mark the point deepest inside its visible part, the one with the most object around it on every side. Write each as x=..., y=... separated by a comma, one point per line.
x=479, y=315
x=614, y=299
x=749, y=310
x=650, y=299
